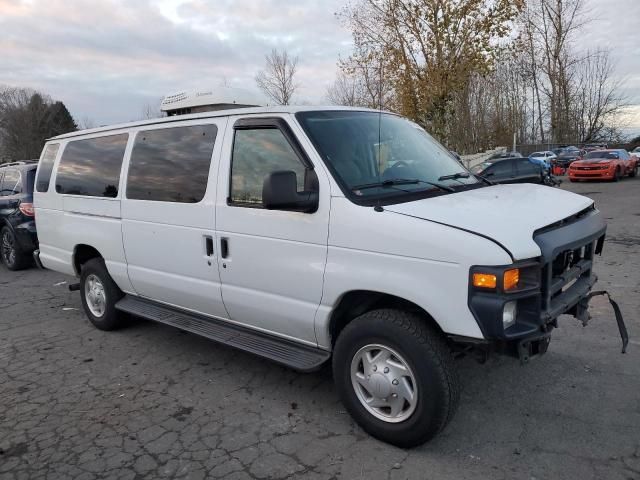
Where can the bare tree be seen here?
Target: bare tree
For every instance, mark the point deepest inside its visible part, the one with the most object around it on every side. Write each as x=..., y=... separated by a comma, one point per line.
x=150, y=111
x=362, y=87
x=574, y=91
x=277, y=80
x=86, y=122
x=597, y=103
x=345, y=91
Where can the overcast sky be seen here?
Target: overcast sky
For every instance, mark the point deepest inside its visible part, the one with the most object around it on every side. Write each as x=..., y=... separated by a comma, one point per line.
x=107, y=59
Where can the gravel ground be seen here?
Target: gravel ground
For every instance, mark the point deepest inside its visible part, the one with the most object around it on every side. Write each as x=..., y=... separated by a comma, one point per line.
x=150, y=401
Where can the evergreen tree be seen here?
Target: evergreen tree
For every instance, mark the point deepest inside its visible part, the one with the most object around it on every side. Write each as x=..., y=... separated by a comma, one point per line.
x=27, y=120
x=59, y=120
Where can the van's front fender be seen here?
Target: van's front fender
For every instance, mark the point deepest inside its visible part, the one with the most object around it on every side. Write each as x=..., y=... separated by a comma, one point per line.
x=419, y=261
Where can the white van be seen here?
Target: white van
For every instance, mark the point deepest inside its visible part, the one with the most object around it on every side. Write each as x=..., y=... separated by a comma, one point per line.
x=309, y=234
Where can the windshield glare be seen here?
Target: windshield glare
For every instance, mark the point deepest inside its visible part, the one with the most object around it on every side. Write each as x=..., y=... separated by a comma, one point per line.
x=607, y=155
x=365, y=148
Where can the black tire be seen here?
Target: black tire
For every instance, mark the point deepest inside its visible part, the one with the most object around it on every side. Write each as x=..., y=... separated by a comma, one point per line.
x=12, y=256
x=110, y=318
x=618, y=175
x=634, y=171
x=427, y=355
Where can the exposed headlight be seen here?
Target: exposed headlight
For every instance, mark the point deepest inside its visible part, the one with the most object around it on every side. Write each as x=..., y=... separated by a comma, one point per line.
x=509, y=314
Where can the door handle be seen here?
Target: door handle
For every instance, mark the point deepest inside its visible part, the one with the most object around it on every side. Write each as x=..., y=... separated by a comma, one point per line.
x=209, y=245
x=224, y=247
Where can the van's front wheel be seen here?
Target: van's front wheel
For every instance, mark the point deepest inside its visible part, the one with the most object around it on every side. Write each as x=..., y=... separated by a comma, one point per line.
x=99, y=295
x=395, y=376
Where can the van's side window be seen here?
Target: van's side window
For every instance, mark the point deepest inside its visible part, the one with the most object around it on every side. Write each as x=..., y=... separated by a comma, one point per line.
x=171, y=164
x=46, y=167
x=92, y=167
x=257, y=153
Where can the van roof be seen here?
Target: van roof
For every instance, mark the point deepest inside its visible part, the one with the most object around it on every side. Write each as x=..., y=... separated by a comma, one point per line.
x=217, y=113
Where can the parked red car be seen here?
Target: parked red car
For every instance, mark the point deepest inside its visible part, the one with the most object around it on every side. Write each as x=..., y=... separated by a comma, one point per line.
x=604, y=165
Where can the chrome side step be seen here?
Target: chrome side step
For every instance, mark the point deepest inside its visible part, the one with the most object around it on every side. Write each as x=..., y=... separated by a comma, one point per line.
x=291, y=354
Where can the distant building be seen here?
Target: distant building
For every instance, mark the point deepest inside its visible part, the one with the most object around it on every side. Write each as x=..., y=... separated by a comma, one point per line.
x=221, y=98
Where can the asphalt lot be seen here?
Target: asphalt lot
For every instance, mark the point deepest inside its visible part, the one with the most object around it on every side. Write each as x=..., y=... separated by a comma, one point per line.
x=150, y=401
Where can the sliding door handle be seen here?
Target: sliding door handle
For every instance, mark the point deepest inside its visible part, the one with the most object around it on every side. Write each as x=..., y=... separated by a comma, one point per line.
x=224, y=247
x=209, y=245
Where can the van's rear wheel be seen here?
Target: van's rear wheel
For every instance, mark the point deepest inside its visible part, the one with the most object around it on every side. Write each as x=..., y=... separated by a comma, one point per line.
x=396, y=377
x=99, y=295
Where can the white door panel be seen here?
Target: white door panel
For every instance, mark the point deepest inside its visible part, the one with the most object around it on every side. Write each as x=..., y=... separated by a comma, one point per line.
x=272, y=276
x=273, y=284
x=170, y=265
x=165, y=241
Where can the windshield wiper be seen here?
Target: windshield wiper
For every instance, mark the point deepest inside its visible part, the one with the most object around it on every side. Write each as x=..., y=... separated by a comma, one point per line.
x=457, y=176
x=401, y=181
x=454, y=176
x=484, y=179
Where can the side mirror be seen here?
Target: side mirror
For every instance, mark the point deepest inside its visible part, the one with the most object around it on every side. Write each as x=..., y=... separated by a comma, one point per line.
x=280, y=192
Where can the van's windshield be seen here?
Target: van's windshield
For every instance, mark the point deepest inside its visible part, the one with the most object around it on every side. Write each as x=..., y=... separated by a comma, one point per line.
x=374, y=155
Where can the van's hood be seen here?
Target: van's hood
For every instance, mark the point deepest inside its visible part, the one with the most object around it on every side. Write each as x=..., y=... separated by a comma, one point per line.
x=507, y=214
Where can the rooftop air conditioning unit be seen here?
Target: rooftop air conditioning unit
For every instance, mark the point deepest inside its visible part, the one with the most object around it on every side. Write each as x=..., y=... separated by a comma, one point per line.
x=221, y=98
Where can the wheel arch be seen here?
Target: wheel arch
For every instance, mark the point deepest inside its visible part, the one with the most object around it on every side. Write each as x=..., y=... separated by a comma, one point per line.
x=354, y=303
x=82, y=253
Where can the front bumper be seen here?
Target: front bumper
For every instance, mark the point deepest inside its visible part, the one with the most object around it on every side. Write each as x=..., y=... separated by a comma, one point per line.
x=554, y=284
x=595, y=173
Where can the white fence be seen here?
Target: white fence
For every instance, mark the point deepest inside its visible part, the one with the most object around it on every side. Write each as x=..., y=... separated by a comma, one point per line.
x=471, y=161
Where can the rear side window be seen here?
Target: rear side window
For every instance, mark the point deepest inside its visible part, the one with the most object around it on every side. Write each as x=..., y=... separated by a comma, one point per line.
x=11, y=184
x=502, y=169
x=46, y=167
x=92, y=167
x=525, y=167
x=171, y=164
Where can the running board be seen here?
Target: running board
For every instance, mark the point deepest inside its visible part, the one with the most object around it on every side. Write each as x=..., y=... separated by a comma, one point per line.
x=286, y=352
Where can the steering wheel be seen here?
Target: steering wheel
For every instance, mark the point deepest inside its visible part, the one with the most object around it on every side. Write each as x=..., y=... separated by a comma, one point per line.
x=401, y=164
x=393, y=171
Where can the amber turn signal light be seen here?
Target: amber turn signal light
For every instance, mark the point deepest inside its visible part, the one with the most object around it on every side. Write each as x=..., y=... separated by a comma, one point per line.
x=484, y=280
x=511, y=279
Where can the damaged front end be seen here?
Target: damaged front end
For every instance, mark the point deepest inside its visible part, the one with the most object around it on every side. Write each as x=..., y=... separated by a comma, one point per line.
x=558, y=282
